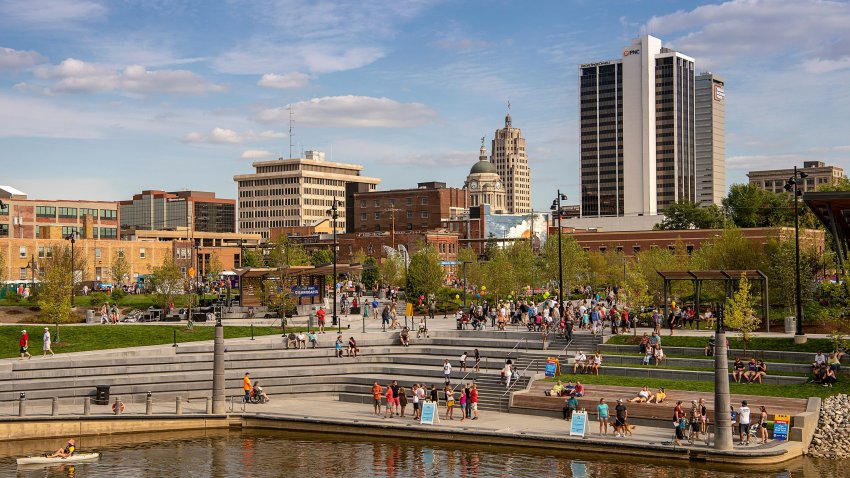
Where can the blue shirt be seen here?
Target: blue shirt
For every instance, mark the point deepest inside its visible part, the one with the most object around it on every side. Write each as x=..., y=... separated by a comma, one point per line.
x=602, y=410
x=338, y=344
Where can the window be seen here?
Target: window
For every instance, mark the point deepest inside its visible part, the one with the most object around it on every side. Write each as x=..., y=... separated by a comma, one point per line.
x=68, y=212
x=423, y=201
x=377, y=216
x=410, y=214
x=4, y=209
x=4, y=230
x=108, y=232
x=98, y=253
x=362, y=216
x=41, y=252
x=88, y=212
x=108, y=214
x=141, y=253
x=121, y=253
x=408, y=201
x=68, y=230
x=22, y=275
x=423, y=214
x=377, y=203
x=363, y=204
x=391, y=202
x=45, y=211
x=23, y=252
x=636, y=249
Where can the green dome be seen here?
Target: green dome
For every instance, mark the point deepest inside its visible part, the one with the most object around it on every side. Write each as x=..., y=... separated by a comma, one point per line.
x=483, y=166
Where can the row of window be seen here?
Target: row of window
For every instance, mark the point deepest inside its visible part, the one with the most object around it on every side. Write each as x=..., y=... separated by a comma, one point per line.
x=46, y=252
x=391, y=202
x=408, y=214
x=71, y=212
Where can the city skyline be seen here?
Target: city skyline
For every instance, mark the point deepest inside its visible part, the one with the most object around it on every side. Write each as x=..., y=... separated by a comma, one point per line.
x=186, y=95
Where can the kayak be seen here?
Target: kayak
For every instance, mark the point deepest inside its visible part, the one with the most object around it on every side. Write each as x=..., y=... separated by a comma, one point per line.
x=43, y=460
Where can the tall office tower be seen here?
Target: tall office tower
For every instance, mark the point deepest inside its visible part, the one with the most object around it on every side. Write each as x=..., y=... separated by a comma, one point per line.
x=637, y=131
x=710, y=139
x=511, y=161
x=297, y=192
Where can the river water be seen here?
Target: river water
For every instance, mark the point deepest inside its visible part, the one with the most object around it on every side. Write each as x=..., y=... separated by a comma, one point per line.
x=282, y=454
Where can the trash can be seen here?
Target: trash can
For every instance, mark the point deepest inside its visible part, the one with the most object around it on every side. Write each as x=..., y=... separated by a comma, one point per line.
x=90, y=316
x=790, y=325
x=101, y=395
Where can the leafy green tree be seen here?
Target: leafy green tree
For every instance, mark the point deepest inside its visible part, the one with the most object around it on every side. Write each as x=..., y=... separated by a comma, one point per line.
x=499, y=274
x=750, y=206
x=392, y=270
x=54, y=295
x=690, y=215
x=285, y=253
x=520, y=255
x=359, y=256
x=371, y=275
x=575, y=261
x=2, y=265
x=215, y=268
x=278, y=298
x=490, y=246
x=167, y=282
x=474, y=269
x=251, y=258
x=425, y=273
x=646, y=265
x=119, y=269
x=321, y=256
x=729, y=250
x=739, y=313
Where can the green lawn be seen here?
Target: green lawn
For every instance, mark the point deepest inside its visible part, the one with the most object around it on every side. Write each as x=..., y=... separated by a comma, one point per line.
x=756, y=343
x=710, y=359
x=789, y=391
x=99, y=337
x=708, y=368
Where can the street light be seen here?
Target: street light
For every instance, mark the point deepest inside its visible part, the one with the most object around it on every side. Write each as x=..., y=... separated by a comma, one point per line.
x=333, y=212
x=792, y=185
x=73, y=238
x=556, y=207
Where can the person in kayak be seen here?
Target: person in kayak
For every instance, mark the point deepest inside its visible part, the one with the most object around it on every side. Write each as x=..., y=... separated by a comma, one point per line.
x=64, y=452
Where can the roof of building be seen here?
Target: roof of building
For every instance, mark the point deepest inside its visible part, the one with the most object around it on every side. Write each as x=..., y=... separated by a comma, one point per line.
x=483, y=166
x=12, y=191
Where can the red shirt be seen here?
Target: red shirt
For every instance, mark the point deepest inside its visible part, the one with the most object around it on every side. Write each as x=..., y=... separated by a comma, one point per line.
x=24, y=340
x=473, y=395
x=321, y=314
x=389, y=394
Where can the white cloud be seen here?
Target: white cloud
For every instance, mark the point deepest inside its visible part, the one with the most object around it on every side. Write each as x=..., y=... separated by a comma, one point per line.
x=255, y=57
x=285, y=81
x=751, y=30
x=256, y=154
x=229, y=136
x=32, y=14
x=76, y=76
x=819, y=65
x=351, y=112
x=17, y=59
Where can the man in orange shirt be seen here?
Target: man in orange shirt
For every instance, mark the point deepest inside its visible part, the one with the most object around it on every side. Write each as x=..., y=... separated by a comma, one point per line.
x=246, y=385
x=376, y=395
x=390, y=401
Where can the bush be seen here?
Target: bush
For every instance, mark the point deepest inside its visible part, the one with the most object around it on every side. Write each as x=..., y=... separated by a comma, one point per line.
x=12, y=297
x=118, y=294
x=97, y=299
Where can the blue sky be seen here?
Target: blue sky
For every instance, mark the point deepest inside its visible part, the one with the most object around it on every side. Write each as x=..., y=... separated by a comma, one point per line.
x=101, y=99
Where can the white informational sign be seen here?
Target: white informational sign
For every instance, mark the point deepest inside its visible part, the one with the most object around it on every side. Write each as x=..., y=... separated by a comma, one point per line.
x=578, y=424
x=429, y=413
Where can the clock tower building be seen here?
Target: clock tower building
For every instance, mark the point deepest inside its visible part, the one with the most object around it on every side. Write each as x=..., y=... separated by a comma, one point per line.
x=485, y=186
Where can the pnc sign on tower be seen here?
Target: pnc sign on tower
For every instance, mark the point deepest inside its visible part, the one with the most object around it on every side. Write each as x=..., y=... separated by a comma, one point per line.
x=628, y=52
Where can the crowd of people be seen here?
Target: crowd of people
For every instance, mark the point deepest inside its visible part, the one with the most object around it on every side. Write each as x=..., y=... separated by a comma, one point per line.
x=395, y=399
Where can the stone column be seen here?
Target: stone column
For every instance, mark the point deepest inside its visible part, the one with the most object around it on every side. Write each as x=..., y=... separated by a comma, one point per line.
x=218, y=371
x=722, y=419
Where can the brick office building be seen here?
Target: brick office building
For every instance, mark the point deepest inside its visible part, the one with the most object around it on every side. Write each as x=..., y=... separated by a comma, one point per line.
x=423, y=208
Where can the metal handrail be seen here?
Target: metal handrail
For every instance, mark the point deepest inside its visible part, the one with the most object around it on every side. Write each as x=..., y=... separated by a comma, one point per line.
x=510, y=388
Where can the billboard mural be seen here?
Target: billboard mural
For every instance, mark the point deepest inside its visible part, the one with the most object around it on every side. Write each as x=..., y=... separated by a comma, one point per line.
x=517, y=226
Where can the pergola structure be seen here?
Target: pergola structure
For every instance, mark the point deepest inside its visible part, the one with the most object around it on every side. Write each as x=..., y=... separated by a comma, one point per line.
x=729, y=277
x=250, y=280
x=833, y=210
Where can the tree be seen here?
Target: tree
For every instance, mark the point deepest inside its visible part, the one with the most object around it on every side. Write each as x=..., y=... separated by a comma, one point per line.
x=370, y=275
x=392, y=270
x=646, y=265
x=215, y=268
x=729, y=250
x=119, y=270
x=520, y=255
x=251, y=258
x=499, y=274
x=575, y=261
x=425, y=273
x=359, y=256
x=54, y=294
x=690, y=215
x=739, y=313
x=2, y=265
x=277, y=297
x=285, y=253
x=750, y=206
x=490, y=246
x=474, y=269
x=321, y=256
x=167, y=282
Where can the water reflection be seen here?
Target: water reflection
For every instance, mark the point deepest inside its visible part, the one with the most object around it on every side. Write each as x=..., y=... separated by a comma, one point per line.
x=271, y=454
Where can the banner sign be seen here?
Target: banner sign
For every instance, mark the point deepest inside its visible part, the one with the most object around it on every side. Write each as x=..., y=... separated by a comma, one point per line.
x=578, y=424
x=552, y=367
x=305, y=290
x=780, y=427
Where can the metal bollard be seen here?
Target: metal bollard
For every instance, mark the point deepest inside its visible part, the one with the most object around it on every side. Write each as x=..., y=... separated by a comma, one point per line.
x=55, y=410
x=209, y=405
x=87, y=406
x=149, y=404
x=22, y=405
x=178, y=406
x=117, y=406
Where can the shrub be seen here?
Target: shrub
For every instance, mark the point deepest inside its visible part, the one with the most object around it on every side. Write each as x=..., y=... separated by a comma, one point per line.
x=118, y=294
x=97, y=299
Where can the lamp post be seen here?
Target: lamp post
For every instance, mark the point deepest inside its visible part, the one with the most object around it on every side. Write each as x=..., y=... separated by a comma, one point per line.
x=464, y=282
x=73, y=238
x=556, y=207
x=333, y=212
x=793, y=185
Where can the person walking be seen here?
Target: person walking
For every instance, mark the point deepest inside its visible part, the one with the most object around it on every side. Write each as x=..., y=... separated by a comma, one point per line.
x=602, y=415
x=25, y=345
x=247, y=387
x=463, y=357
x=477, y=360
x=45, y=343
